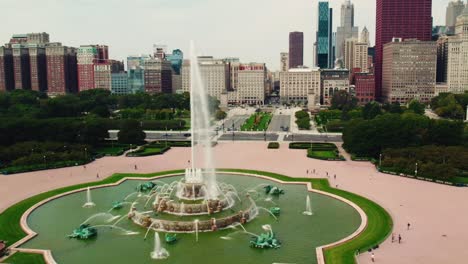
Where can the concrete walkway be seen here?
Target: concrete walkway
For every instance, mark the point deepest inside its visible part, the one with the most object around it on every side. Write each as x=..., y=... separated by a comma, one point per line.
x=438, y=214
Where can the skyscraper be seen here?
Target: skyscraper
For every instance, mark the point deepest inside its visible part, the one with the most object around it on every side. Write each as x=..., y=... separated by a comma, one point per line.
x=401, y=19
x=324, y=46
x=454, y=9
x=61, y=69
x=89, y=57
x=409, y=70
x=21, y=67
x=7, y=81
x=284, y=61
x=296, y=49
x=346, y=29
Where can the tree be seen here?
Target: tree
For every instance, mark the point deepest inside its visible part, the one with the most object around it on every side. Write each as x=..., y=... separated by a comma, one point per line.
x=220, y=115
x=416, y=107
x=131, y=133
x=342, y=100
x=371, y=110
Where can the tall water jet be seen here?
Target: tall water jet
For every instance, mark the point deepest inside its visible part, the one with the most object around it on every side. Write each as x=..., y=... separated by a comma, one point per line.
x=159, y=252
x=308, y=210
x=89, y=201
x=196, y=230
x=200, y=127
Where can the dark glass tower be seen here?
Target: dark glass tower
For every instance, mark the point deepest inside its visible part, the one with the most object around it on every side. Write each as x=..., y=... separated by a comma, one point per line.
x=324, y=49
x=296, y=49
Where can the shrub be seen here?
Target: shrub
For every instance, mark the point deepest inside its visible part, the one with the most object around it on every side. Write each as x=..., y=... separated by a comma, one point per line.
x=273, y=145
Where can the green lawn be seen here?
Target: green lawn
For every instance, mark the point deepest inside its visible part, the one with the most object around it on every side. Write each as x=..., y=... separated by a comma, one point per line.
x=323, y=154
x=111, y=149
x=257, y=122
x=149, y=150
x=25, y=258
x=378, y=228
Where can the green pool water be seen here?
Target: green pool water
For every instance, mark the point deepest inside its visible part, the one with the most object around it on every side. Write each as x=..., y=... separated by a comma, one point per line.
x=299, y=234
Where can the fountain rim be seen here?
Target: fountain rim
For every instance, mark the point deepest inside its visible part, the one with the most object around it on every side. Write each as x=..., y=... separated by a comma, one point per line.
x=47, y=253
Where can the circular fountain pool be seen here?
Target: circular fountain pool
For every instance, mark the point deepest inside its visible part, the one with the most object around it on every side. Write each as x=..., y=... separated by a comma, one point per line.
x=124, y=242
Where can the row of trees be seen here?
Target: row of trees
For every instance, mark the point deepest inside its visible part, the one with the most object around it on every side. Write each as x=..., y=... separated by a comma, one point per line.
x=449, y=105
x=101, y=103
x=369, y=138
x=437, y=162
x=303, y=120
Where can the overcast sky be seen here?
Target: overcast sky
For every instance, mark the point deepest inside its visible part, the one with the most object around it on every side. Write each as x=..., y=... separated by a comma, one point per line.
x=253, y=30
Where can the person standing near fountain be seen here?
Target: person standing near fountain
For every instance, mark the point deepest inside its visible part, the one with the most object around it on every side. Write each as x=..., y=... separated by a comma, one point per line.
x=372, y=257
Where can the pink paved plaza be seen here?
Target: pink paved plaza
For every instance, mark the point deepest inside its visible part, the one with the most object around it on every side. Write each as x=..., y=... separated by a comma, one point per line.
x=438, y=214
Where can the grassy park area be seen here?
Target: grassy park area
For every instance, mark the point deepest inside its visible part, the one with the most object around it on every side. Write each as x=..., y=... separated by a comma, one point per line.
x=324, y=151
x=257, y=122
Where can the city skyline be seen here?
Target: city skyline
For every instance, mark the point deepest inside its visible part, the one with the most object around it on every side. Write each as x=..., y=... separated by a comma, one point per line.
x=132, y=28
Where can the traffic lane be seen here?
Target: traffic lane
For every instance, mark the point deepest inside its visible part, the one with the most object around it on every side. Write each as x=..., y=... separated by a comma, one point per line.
x=237, y=120
x=318, y=138
x=248, y=137
x=280, y=123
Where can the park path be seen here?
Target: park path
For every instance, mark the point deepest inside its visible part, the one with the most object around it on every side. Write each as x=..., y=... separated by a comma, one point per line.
x=438, y=213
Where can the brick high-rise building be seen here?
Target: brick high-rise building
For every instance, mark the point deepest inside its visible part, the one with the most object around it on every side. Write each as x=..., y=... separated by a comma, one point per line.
x=158, y=76
x=21, y=67
x=400, y=19
x=7, y=81
x=88, y=57
x=61, y=69
x=296, y=49
x=38, y=62
x=364, y=87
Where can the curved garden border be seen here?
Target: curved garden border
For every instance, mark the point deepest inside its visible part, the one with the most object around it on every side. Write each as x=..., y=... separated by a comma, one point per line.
x=325, y=254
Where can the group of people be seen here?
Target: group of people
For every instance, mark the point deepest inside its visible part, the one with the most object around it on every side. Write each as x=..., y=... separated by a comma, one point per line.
x=394, y=239
x=313, y=172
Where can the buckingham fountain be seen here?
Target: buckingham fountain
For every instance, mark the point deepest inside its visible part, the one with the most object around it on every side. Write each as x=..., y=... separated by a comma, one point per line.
x=198, y=193
x=197, y=216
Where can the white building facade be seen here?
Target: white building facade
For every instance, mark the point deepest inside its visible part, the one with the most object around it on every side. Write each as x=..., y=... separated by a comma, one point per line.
x=297, y=84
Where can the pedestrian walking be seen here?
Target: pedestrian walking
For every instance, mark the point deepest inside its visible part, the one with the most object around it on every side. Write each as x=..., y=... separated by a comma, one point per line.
x=97, y=175
x=409, y=225
x=307, y=172
x=335, y=176
x=372, y=257
x=136, y=167
x=393, y=237
x=327, y=173
x=399, y=239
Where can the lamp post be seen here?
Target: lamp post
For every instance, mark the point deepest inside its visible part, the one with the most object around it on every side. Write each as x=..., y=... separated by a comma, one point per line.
x=232, y=132
x=380, y=160
x=166, y=136
x=45, y=162
x=264, y=134
x=416, y=170
x=86, y=153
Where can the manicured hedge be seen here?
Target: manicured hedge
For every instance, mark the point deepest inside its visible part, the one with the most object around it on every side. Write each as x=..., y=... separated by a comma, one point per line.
x=300, y=145
x=149, y=151
x=273, y=145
